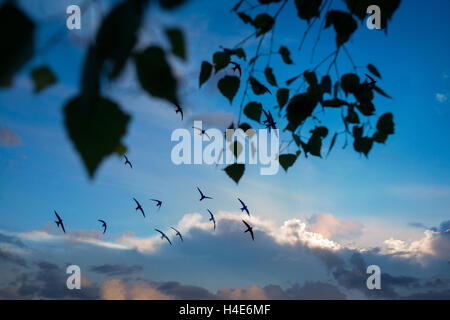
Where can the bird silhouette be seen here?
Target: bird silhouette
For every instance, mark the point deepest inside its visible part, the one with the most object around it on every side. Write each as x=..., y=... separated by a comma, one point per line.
x=178, y=233
x=163, y=236
x=244, y=207
x=59, y=222
x=139, y=207
x=237, y=67
x=103, y=225
x=158, y=203
x=202, y=132
x=212, y=218
x=249, y=229
x=179, y=110
x=128, y=162
x=202, y=195
x=269, y=122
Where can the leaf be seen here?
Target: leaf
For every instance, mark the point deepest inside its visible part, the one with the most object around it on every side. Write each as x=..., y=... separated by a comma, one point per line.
x=349, y=82
x=253, y=111
x=333, y=141
x=270, y=77
x=300, y=107
x=287, y=160
x=155, y=74
x=297, y=139
x=307, y=9
x=235, y=171
x=237, y=5
x=285, y=55
x=205, y=72
x=380, y=91
x=282, y=97
x=229, y=86
x=343, y=24
x=17, y=36
x=314, y=144
x=263, y=23
x=236, y=148
x=334, y=103
x=42, y=77
x=245, y=18
x=310, y=77
x=361, y=144
x=220, y=60
x=373, y=70
x=96, y=132
x=170, y=4
x=386, y=123
x=177, y=42
x=326, y=84
x=257, y=87
x=289, y=81
x=117, y=35
x=352, y=116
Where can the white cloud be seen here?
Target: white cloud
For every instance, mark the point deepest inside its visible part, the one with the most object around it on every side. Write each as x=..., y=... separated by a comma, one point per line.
x=441, y=97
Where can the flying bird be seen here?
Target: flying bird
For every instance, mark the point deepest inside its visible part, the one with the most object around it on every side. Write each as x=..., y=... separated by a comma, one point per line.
x=236, y=67
x=212, y=218
x=269, y=122
x=59, y=223
x=158, y=203
x=163, y=236
x=202, y=132
x=179, y=110
x=202, y=195
x=128, y=162
x=139, y=207
x=103, y=225
x=249, y=229
x=244, y=207
x=178, y=233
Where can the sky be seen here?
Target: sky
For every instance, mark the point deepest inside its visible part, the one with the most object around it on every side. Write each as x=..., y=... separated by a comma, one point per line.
x=317, y=227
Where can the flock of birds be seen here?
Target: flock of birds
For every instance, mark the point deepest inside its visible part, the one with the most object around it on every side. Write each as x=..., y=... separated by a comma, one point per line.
x=60, y=224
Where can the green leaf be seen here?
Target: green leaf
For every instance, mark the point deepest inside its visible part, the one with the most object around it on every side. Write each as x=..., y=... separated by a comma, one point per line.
x=257, y=87
x=287, y=160
x=245, y=18
x=96, y=131
x=263, y=23
x=17, y=37
x=373, y=70
x=307, y=9
x=220, y=60
x=235, y=171
x=155, y=75
x=229, y=86
x=42, y=77
x=349, y=82
x=343, y=23
x=205, y=72
x=282, y=97
x=177, y=43
x=117, y=35
x=270, y=77
x=285, y=55
x=253, y=111
x=300, y=107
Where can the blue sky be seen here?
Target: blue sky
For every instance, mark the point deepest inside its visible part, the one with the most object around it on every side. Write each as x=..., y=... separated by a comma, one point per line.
x=404, y=181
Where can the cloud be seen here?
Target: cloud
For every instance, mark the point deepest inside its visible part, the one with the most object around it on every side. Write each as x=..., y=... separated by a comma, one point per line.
x=116, y=269
x=116, y=289
x=441, y=97
x=329, y=226
x=9, y=137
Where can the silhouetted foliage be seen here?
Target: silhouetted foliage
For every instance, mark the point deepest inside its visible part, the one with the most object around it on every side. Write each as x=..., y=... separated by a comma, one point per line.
x=96, y=125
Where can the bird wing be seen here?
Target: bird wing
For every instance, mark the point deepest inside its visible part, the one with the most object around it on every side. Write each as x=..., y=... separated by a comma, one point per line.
x=248, y=226
x=212, y=216
x=251, y=233
x=62, y=227
x=243, y=204
x=137, y=202
x=57, y=216
x=201, y=193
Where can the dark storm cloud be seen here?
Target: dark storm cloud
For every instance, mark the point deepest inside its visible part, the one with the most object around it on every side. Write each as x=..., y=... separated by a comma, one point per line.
x=9, y=257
